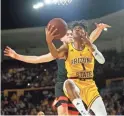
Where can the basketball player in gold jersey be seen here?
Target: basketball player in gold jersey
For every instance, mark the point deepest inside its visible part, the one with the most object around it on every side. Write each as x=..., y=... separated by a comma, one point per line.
x=79, y=63
x=61, y=108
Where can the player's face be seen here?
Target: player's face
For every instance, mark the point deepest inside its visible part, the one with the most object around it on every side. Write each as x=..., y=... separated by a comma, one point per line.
x=68, y=37
x=78, y=31
x=69, y=34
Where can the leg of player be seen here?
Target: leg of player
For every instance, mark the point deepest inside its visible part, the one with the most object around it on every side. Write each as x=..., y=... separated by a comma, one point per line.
x=72, y=110
x=98, y=107
x=73, y=94
x=62, y=110
x=61, y=103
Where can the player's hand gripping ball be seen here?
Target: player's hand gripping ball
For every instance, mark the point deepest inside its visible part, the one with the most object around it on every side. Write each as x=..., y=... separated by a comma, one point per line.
x=60, y=27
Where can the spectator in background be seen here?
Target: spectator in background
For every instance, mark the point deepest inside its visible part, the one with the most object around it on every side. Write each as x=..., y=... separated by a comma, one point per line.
x=6, y=101
x=33, y=112
x=14, y=97
x=40, y=113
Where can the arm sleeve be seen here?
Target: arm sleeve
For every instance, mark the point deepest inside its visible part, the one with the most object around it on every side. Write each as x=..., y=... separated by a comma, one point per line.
x=98, y=55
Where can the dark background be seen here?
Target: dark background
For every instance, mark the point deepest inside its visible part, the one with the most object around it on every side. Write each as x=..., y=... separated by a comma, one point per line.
x=20, y=14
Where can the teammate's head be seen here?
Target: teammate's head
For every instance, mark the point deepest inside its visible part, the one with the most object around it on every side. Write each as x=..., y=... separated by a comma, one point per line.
x=78, y=28
x=40, y=113
x=68, y=37
x=69, y=34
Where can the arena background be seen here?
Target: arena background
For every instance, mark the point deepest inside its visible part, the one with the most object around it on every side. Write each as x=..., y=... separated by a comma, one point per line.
x=29, y=88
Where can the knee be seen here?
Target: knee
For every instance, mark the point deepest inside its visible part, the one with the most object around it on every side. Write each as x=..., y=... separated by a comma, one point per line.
x=68, y=84
x=62, y=110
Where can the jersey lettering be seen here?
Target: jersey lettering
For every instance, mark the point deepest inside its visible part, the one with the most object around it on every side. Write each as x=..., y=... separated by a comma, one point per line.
x=81, y=60
x=84, y=74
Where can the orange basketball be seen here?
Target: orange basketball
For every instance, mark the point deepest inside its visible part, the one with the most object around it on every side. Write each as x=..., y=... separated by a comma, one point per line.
x=61, y=26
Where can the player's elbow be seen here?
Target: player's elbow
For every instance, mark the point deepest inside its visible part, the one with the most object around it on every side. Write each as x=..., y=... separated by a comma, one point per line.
x=56, y=56
x=102, y=60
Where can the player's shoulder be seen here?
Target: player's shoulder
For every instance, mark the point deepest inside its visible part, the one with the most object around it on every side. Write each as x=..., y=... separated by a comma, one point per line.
x=94, y=46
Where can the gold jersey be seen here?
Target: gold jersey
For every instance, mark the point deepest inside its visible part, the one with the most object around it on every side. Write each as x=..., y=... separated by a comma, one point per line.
x=79, y=63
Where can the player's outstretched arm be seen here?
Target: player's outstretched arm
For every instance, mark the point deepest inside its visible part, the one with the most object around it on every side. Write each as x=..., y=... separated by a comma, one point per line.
x=50, y=35
x=28, y=59
x=96, y=33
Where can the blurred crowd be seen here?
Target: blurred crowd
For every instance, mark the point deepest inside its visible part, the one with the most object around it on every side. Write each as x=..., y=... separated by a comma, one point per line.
x=31, y=103
x=28, y=76
x=113, y=66
x=18, y=75
x=114, y=102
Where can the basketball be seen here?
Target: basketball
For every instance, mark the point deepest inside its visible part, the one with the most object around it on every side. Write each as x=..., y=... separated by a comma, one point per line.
x=61, y=26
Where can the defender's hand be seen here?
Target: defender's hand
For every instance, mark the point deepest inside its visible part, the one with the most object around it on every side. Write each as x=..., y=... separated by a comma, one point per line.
x=102, y=25
x=51, y=33
x=10, y=52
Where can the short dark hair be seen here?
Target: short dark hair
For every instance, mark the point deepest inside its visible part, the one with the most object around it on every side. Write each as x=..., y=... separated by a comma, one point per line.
x=79, y=23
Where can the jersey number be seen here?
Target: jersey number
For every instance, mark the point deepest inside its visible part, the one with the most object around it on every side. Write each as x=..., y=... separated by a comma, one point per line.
x=83, y=66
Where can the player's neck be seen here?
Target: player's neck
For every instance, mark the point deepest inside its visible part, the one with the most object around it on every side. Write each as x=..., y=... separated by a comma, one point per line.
x=78, y=45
